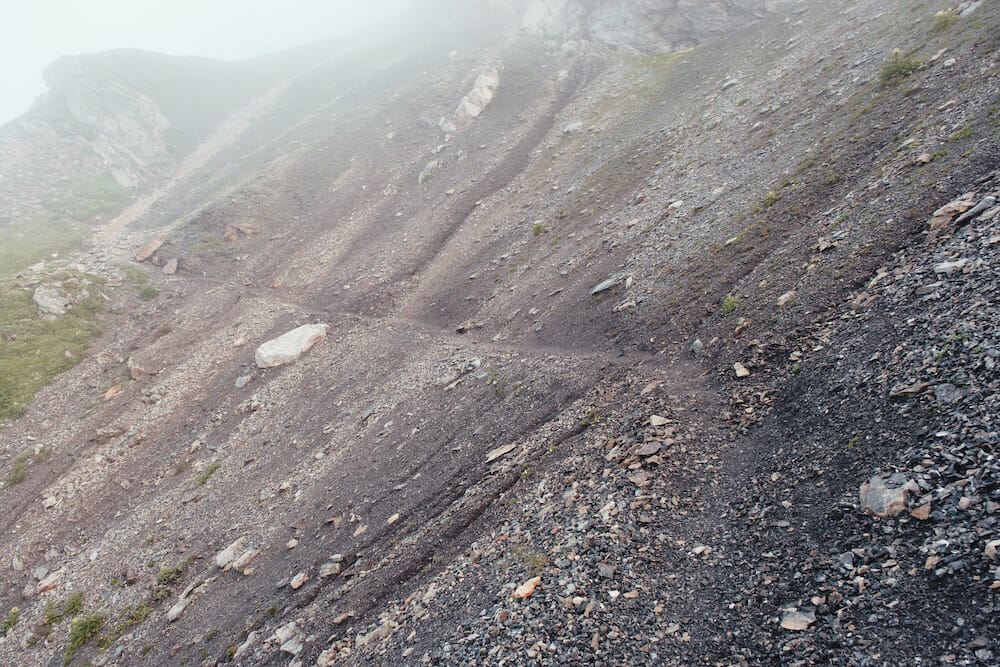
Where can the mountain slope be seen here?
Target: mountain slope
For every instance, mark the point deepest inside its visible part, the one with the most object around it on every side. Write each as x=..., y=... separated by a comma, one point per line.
x=534, y=317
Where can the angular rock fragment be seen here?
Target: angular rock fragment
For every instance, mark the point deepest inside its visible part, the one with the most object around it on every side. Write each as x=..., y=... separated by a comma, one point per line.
x=150, y=248
x=797, y=620
x=882, y=501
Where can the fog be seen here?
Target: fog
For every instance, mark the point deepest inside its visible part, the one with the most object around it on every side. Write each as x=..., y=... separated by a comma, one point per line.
x=33, y=33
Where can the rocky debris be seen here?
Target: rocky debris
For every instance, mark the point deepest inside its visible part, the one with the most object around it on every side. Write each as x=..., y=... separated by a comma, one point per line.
x=238, y=230
x=137, y=371
x=290, y=639
x=170, y=268
x=50, y=301
x=741, y=370
x=289, y=346
x=148, y=250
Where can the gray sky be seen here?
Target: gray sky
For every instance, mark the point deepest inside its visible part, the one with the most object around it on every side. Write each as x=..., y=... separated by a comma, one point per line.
x=33, y=33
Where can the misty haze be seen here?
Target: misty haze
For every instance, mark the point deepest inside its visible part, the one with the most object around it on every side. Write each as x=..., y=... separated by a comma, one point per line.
x=500, y=333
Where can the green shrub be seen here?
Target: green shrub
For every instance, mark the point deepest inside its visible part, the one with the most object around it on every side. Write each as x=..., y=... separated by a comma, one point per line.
x=8, y=623
x=899, y=67
x=74, y=604
x=203, y=477
x=133, y=275
x=944, y=20
x=961, y=134
x=148, y=293
x=538, y=229
x=770, y=199
x=730, y=303
x=82, y=631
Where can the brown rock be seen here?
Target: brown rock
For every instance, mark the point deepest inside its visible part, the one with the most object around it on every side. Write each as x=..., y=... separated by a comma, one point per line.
x=151, y=247
x=527, y=589
x=909, y=392
x=170, y=268
x=797, y=620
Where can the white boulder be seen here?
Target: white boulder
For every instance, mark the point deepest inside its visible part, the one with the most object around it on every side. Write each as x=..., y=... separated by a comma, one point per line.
x=290, y=346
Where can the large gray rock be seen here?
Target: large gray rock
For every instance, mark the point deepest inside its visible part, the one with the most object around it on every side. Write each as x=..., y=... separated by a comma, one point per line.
x=290, y=346
x=50, y=301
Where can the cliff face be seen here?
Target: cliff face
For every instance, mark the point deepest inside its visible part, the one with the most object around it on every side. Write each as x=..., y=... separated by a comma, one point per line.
x=122, y=126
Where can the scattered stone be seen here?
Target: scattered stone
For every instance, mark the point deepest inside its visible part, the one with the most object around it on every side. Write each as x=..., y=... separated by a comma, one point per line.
x=329, y=570
x=298, y=580
x=909, y=391
x=741, y=370
x=797, y=620
x=502, y=450
x=786, y=298
x=340, y=619
x=603, y=286
x=170, y=268
x=289, y=346
x=527, y=589
x=881, y=500
x=658, y=421
x=226, y=556
x=50, y=581
x=112, y=392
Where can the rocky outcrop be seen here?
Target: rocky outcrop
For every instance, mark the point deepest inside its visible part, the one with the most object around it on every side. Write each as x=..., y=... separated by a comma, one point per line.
x=482, y=93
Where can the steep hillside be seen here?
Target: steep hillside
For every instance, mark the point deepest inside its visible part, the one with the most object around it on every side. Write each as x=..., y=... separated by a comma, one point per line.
x=615, y=333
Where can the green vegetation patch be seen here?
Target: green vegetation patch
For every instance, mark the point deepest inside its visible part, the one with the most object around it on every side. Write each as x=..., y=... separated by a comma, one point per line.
x=730, y=304
x=203, y=477
x=961, y=134
x=85, y=198
x=898, y=68
x=34, y=350
x=82, y=631
x=944, y=20
x=12, y=619
x=26, y=242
